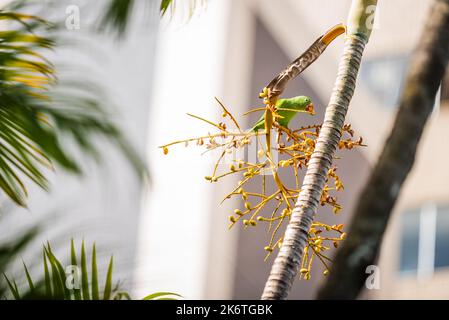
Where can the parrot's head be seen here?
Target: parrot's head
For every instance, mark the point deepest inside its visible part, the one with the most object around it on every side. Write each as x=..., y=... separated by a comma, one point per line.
x=303, y=103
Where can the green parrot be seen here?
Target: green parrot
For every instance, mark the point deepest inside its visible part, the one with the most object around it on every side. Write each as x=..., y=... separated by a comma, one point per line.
x=287, y=110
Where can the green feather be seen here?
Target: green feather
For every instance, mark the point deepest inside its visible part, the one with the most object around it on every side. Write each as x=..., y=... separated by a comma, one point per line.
x=287, y=109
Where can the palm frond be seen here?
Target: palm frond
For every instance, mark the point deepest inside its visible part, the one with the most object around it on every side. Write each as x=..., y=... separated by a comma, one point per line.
x=58, y=284
x=117, y=15
x=162, y=296
x=164, y=5
x=8, y=253
x=36, y=111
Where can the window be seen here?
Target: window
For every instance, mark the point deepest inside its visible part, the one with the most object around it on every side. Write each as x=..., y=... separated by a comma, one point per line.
x=383, y=78
x=409, y=242
x=424, y=242
x=442, y=239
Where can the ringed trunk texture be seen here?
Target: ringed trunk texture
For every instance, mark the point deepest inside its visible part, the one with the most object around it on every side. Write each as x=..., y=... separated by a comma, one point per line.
x=370, y=218
x=286, y=265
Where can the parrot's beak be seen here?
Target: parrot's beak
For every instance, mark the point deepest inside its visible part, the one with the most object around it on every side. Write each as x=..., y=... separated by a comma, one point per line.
x=310, y=109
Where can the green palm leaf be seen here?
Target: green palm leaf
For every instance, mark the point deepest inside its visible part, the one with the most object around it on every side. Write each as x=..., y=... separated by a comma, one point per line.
x=29, y=279
x=162, y=296
x=95, y=294
x=118, y=12
x=84, y=274
x=48, y=289
x=74, y=262
x=13, y=288
x=54, y=286
x=117, y=15
x=108, y=285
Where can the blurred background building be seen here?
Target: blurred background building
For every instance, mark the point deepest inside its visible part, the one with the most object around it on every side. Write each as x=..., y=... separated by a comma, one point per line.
x=173, y=235
x=231, y=51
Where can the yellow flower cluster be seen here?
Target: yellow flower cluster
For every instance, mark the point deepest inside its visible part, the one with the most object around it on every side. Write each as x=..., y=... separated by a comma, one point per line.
x=294, y=148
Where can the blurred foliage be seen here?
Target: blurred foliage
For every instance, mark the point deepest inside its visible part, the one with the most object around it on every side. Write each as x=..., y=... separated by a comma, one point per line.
x=77, y=282
x=37, y=110
x=118, y=12
x=162, y=296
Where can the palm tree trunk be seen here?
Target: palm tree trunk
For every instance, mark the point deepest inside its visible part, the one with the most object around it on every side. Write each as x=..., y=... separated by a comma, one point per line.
x=286, y=264
x=373, y=210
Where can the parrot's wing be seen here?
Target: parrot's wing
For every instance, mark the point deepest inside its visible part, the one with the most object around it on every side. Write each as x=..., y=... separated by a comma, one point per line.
x=260, y=124
x=285, y=117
